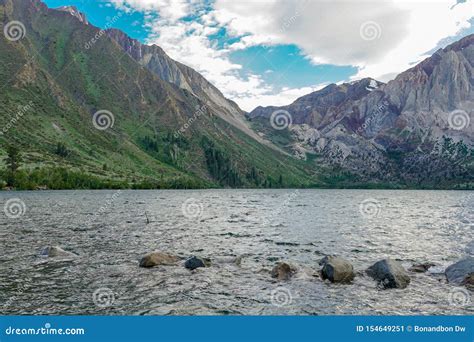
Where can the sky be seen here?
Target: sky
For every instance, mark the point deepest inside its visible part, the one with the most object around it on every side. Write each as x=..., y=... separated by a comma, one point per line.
x=270, y=52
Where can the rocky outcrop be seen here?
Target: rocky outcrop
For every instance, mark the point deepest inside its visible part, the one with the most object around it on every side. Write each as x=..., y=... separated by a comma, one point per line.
x=196, y=262
x=158, y=258
x=283, y=271
x=336, y=269
x=56, y=251
x=389, y=274
x=72, y=10
x=421, y=268
x=410, y=118
x=469, y=282
x=461, y=271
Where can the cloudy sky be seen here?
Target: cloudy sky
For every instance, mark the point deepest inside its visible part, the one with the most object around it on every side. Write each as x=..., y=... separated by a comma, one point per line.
x=269, y=52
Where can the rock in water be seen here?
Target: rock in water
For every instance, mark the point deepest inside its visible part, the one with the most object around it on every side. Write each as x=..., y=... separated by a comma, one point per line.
x=389, y=274
x=56, y=251
x=458, y=272
x=283, y=271
x=158, y=258
x=469, y=282
x=195, y=262
x=421, y=268
x=337, y=270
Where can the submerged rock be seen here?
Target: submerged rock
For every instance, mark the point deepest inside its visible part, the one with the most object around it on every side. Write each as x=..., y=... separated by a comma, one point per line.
x=158, y=258
x=196, y=262
x=457, y=273
x=389, y=274
x=337, y=270
x=469, y=282
x=56, y=251
x=421, y=268
x=283, y=271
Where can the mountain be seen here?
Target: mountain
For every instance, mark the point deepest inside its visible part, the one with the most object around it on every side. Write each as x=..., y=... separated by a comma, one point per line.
x=85, y=110
x=416, y=128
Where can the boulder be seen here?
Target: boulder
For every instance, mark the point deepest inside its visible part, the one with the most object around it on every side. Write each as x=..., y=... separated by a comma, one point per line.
x=56, y=251
x=421, y=268
x=336, y=269
x=458, y=272
x=469, y=282
x=283, y=271
x=195, y=262
x=158, y=258
x=389, y=274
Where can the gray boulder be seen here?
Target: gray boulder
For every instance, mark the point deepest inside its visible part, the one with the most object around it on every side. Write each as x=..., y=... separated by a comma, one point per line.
x=196, y=262
x=337, y=270
x=283, y=271
x=421, y=268
x=56, y=251
x=389, y=274
x=457, y=273
x=158, y=258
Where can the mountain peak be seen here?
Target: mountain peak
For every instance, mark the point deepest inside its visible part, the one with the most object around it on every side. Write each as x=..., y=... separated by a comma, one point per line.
x=72, y=10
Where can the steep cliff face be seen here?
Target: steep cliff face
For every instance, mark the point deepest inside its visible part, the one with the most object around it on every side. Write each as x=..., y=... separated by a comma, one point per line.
x=399, y=129
x=155, y=59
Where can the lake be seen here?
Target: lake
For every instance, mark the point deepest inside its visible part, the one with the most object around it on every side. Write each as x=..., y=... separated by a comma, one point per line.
x=111, y=230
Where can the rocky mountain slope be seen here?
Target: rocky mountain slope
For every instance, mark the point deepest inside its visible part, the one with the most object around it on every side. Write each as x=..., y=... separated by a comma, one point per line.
x=416, y=128
x=78, y=106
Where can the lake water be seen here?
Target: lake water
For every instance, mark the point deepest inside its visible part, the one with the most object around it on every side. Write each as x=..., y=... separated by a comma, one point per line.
x=108, y=230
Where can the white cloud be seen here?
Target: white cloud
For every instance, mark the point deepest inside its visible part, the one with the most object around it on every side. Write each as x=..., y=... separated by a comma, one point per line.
x=326, y=32
x=333, y=31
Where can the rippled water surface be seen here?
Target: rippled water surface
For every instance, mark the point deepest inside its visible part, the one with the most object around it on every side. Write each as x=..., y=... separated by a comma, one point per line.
x=108, y=230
